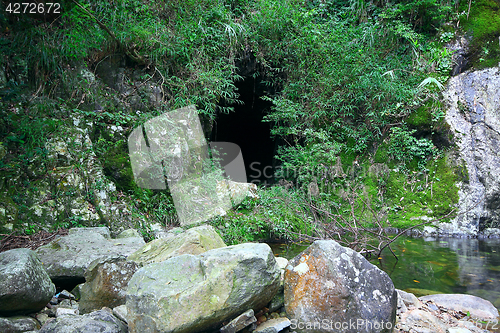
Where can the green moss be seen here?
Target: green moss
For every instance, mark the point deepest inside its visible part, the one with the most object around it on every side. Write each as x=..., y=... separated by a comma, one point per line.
x=116, y=165
x=8, y=213
x=381, y=155
x=421, y=117
x=417, y=196
x=484, y=24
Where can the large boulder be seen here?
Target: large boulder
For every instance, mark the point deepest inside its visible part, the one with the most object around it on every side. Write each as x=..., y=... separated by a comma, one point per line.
x=106, y=283
x=67, y=258
x=18, y=324
x=330, y=288
x=193, y=241
x=25, y=287
x=191, y=293
x=101, y=321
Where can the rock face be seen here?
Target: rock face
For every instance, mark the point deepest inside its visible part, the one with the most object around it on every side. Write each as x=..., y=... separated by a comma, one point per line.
x=106, y=283
x=97, y=321
x=24, y=285
x=193, y=241
x=473, y=115
x=329, y=288
x=75, y=168
x=191, y=293
x=67, y=258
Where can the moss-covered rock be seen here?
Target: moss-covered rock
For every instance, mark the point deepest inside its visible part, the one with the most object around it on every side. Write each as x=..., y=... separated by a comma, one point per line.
x=188, y=294
x=194, y=241
x=8, y=213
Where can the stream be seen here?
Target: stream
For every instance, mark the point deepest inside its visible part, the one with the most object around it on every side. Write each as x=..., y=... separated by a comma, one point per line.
x=430, y=266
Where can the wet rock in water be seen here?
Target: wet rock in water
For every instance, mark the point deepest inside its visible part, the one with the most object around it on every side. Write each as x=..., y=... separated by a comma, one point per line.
x=189, y=294
x=330, y=288
x=98, y=321
x=66, y=258
x=477, y=307
x=106, y=283
x=18, y=324
x=193, y=241
x=25, y=286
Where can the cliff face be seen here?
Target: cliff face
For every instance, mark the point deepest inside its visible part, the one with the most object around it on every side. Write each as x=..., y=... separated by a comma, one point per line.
x=473, y=115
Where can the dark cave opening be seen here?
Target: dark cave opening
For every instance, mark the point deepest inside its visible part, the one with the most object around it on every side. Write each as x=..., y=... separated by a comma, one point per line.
x=245, y=128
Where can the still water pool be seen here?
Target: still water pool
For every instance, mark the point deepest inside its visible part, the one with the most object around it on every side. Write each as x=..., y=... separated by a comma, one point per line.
x=428, y=265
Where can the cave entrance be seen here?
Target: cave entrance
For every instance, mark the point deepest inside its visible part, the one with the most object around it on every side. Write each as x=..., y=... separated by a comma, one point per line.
x=245, y=128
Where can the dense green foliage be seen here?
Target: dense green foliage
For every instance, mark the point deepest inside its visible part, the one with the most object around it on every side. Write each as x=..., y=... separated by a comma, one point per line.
x=356, y=85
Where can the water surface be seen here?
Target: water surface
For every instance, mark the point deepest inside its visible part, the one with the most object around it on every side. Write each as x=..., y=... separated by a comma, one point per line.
x=429, y=265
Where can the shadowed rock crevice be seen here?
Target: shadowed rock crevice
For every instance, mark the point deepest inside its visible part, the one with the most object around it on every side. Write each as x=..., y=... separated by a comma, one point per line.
x=245, y=128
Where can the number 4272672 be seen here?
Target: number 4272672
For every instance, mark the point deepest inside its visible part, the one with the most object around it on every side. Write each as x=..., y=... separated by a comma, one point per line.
x=33, y=8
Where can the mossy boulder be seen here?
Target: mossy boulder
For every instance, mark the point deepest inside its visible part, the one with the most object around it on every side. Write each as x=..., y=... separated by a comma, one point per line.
x=67, y=258
x=189, y=294
x=25, y=286
x=193, y=241
x=106, y=283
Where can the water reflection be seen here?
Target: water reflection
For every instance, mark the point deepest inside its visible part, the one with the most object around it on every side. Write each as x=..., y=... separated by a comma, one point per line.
x=429, y=265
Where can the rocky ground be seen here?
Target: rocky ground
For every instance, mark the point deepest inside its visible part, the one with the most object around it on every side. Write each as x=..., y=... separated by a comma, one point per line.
x=190, y=281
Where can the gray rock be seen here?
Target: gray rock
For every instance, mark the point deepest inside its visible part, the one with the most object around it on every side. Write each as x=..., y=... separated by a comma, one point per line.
x=104, y=231
x=408, y=299
x=282, y=263
x=128, y=233
x=193, y=241
x=191, y=293
x=71, y=146
x=458, y=330
x=68, y=257
x=237, y=324
x=18, y=324
x=273, y=325
x=66, y=312
x=106, y=283
x=120, y=312
x=42, y=318
x=24, y=285
x=423, y=322
x=277, y=302
x=330, y=288
x=69, y=304
x=66, y=295
x=479, y=308
x=474, y=120
x=101, y=321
